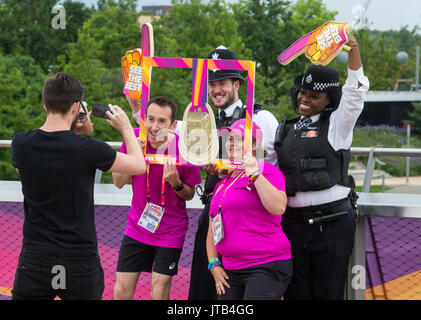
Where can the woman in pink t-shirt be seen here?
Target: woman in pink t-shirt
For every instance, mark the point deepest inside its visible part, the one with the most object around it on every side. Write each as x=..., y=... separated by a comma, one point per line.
x=249, y=254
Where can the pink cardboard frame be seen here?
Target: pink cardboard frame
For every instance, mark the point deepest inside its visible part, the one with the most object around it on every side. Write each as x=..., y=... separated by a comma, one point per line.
x=200, y=69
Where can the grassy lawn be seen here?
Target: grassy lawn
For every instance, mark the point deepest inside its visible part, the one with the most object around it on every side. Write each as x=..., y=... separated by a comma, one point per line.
x=388, y=137
x=374, y=188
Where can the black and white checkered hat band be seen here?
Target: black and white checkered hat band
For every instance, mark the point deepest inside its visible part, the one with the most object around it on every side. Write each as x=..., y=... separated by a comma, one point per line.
x=321, y=86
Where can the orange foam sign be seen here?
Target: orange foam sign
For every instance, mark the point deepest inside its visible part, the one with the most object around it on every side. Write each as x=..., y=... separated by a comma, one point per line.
x=132, y=70
x=320, y=46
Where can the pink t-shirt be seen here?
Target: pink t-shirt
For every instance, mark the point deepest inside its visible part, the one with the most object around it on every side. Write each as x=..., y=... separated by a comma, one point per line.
x=252, y=235
x=173, y=226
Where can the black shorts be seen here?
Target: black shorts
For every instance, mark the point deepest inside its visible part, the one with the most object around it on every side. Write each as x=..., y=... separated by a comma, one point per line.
x=136, y=256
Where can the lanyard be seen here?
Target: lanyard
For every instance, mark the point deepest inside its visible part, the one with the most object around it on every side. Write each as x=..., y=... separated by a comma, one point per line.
x=229, y=186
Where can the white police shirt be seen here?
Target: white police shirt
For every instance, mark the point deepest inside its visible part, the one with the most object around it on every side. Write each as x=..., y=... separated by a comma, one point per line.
x=264, y=119
x=341, y=126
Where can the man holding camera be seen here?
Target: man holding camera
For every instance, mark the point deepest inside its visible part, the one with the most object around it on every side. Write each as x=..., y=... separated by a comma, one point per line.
x=57, y=171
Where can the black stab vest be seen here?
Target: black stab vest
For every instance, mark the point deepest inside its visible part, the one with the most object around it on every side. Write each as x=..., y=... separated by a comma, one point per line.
x=308, y=160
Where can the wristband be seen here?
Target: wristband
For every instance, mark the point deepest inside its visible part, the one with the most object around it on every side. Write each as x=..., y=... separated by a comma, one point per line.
x=213, y=259
x=213, y=264
x=257, y=172
x=254, y=175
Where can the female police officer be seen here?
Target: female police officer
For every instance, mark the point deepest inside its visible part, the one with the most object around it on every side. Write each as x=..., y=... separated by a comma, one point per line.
x=313, y=152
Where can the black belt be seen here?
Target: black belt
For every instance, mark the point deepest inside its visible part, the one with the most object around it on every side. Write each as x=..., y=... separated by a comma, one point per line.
x=304, y=214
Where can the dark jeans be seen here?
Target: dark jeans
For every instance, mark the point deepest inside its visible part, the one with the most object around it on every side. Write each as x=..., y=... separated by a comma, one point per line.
x=202, y=284
x=43, y=275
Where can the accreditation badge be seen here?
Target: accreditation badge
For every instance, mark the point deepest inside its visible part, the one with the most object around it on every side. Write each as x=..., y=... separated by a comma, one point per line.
x=217, y=228
x=310, y=133
x=151, y=217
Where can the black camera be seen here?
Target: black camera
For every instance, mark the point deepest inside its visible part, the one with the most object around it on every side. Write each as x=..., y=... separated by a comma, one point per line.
x=99, y=110
x=83, y=112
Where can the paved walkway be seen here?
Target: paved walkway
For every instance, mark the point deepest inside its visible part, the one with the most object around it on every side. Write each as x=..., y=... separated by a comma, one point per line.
x=398, y=184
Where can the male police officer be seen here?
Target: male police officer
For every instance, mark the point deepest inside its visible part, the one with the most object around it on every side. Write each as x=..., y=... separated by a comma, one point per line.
x=223, y=91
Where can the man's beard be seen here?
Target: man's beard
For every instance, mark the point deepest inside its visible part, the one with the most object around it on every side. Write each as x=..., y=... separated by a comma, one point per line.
x=230, y=100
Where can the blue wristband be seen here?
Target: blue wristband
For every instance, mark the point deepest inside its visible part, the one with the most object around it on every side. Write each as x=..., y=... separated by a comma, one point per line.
x=212, y=264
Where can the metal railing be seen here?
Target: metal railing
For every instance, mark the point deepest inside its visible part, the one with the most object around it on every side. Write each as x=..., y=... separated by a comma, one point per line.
x=379, y=205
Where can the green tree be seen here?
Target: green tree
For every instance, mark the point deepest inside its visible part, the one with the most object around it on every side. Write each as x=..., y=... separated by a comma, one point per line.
x=192, y=29
x=20, y=104
x=416, y=117
x=266, y=41
x=27, y=28
x=378, y=57
x=268, y=27
x=95, y=57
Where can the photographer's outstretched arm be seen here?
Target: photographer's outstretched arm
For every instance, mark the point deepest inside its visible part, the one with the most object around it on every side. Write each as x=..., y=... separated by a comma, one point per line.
x=132, y=163
x=121, y=179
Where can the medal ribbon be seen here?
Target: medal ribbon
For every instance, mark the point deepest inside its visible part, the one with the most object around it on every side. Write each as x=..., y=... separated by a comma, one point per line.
x=148, y=188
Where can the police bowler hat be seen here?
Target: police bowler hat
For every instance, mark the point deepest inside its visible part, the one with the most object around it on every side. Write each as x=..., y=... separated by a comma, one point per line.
x=319, y=78
x=224, y=54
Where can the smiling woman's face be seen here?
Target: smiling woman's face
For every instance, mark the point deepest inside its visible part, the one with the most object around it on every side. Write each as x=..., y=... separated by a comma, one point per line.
x=311, y=102
x=235, y=147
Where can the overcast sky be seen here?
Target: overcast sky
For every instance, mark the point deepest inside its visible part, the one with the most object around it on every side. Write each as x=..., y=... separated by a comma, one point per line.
x=381, y=14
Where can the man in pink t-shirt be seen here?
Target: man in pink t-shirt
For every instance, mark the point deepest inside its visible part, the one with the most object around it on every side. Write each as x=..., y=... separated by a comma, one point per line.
x=157, y=220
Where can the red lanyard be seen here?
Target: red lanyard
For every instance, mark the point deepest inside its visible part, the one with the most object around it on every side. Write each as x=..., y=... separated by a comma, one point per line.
x=229, y=186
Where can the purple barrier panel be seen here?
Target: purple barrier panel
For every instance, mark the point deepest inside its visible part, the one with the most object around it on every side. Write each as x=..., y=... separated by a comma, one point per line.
x=395, y=244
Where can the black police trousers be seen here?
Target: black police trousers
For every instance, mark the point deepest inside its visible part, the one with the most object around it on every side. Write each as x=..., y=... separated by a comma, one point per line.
x=320, y=252
x=202, y=284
